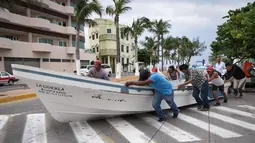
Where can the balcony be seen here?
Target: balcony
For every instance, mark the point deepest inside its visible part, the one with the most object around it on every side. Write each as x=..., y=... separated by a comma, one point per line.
x=41, y=47
x=6, y=16
x=6, y=44
x=70, y=50
x=108, y=52
x=105, y=37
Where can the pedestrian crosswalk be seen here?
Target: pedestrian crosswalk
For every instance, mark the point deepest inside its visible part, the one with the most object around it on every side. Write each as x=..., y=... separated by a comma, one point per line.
x=37, y=127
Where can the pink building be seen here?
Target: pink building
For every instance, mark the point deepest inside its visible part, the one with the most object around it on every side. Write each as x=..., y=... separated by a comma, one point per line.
x=42, y=35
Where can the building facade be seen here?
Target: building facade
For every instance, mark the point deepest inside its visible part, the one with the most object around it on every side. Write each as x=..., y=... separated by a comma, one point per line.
x=42, y=35
x=102, y=40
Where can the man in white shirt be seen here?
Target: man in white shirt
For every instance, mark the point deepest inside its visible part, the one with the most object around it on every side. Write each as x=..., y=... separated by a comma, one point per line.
x=220, y=66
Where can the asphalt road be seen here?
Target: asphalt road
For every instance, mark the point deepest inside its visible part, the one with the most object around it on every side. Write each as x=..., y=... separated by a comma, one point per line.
x=28, y=121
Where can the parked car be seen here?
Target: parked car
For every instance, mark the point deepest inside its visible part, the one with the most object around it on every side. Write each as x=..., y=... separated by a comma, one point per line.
x=85, y=69
x=7, y=78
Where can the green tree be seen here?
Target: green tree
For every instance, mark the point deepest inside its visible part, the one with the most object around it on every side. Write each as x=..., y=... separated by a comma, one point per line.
x=144, y=56
x=136, y=30
x=83, y=10
x=119, y=7
x=235, y=38
x=150, y=44
x=159, y=29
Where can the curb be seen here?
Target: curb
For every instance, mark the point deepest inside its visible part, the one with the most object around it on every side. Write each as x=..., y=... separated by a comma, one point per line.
x=19, y=97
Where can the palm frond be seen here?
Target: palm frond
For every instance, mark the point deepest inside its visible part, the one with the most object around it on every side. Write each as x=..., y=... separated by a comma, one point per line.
x=110, y=10
x=90, y=22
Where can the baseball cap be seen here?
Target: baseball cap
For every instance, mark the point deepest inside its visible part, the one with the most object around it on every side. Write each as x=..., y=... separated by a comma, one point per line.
x=210, y=68
x=154, y=70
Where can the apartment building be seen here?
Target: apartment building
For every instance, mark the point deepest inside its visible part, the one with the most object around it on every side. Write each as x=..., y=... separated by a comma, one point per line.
x=42, y=35
x=102, y=40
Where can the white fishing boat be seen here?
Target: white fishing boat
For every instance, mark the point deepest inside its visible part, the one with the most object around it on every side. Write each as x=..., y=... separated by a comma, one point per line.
x=69, y=97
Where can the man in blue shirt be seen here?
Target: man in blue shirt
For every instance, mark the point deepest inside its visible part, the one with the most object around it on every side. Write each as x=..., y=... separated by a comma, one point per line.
x=163, y=90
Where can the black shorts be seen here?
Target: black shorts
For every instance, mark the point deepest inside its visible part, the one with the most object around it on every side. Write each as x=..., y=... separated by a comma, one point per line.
x=221, y=88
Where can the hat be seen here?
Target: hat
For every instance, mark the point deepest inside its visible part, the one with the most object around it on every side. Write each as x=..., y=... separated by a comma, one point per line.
x=98, y=62
x=154, y=70
x=210, y=68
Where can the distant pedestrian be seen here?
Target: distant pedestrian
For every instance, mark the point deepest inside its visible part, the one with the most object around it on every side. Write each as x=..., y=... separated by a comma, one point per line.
x=200, y=84
x=236, y=75
x=217, y=83
x=163, y=91
x=220, y=66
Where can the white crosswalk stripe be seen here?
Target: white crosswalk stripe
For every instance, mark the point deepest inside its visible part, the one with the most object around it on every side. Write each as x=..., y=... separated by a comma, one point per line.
x=238, y=112
x=84, y=133
x=213, y=128
x=171, y=130
x=247, y=107
x=131, y=133
x=228, y=119
x=3, y=120
x=35, y=130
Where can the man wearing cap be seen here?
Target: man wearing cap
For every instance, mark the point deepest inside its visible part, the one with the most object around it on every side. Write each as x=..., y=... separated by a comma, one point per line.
x=163, y=90
x=97, y=71
x=217, y=83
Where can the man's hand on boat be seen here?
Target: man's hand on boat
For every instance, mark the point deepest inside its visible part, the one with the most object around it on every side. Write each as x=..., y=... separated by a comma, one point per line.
x=185, y=83
x=138, y=83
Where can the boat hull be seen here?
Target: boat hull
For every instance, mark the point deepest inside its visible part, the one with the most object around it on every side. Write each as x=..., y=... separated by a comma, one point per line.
x=73, y=98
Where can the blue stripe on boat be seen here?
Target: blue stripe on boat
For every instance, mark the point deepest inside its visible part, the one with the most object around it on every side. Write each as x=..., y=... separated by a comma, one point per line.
x=79, y=80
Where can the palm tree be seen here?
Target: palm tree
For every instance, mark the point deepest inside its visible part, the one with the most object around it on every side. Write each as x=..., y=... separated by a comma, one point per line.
x=150, y=44
x=159, y=28
x=136, y=30
x=83, y=10
x=119, y=7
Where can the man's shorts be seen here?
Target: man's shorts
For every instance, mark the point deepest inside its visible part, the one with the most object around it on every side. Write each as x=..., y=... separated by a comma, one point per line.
x=214, y=87
x=239, y=84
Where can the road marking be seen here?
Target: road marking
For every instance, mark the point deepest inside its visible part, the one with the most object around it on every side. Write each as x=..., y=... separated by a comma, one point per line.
x=238, y=112
x=247, y=107
x=131, y=133
x=3, y=120
x=213, y=128
x=35, y=129
x=173, y=131
x=228, y=119
x=84, y=133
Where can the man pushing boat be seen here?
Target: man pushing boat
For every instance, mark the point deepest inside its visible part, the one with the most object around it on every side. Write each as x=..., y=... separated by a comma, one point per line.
x=163, y=90
x=97, y=71
x=200, y=84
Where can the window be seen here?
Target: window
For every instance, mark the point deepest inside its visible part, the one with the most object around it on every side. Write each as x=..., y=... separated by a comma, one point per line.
x=93, y=37
x=97, y=35
x=127, y=37
x=44, y=40
x=62, y=3
x=122, y=48
x=4, y=74
x=61, y=23
x=66, y=60
x=127, y=60
x=45, y=60
x=127, y=49
x=62, y=43
x=55, y=60
x=15, y=38
x=0, y=58
x=94, y=50
x=43, y=17
x=73, y=60
x=97, y=49
x=89, y=37
x=109, y=31
x=122, y=61
x=105, y=66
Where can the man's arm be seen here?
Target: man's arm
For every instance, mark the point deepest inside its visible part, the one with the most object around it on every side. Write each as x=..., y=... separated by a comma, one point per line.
x=185, y=83
x=106, y=77
x=89, y=73
x=215, y=75
x=139, y=83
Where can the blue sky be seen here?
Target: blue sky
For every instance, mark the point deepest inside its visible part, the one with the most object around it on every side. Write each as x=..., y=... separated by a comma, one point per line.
x=191, y=18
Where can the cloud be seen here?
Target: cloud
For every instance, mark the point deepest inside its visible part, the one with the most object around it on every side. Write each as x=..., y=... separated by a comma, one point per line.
x=196, y=18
